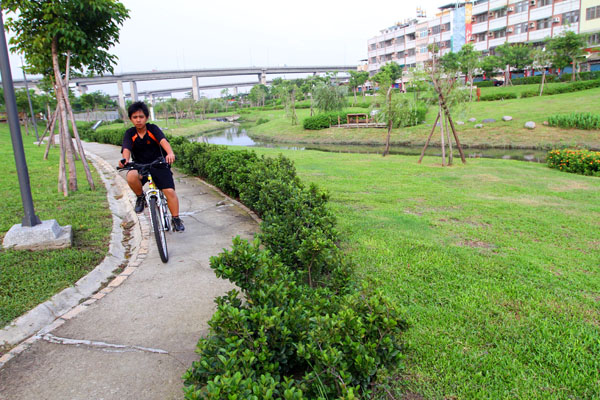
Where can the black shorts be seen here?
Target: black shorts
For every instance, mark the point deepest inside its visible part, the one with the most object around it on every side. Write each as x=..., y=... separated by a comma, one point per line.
x=162, y=177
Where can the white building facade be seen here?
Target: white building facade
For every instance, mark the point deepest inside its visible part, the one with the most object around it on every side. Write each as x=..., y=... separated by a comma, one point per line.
x=485, y=23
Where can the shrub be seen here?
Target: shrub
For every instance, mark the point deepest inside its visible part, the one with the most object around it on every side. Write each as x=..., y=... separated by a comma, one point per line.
x=586, y=121
x=299, y=329
x=324, y=120
x=563, y=88
x=583, y=162
x=483, y=83
x=262, y=121
x=498, y=96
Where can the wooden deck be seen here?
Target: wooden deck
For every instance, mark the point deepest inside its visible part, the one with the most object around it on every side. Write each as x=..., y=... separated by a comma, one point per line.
x=361, y=125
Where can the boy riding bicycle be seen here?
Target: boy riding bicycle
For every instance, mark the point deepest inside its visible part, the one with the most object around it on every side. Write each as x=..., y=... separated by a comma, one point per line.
x=145, y=143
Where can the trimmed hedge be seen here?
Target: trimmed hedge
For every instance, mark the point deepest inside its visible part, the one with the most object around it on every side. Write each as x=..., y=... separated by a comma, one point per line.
x=587, y=121
x=566, y=88
x=583, y=162
x=324, y=120
x=300, y=329
x=498, y=96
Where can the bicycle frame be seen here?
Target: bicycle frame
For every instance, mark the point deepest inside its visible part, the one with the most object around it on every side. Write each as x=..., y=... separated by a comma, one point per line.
x=153, y=191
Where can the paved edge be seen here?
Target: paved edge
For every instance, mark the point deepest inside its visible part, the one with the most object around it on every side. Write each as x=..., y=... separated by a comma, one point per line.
x=128, y=248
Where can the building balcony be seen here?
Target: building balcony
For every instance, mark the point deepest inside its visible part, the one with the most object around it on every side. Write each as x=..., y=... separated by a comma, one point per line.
x=566, y=6
x=480, y=27
x=480, y=46
x=480, y=8
x=518, y=18
x=539, y=34
x=497, y=24
x=496, y=42
x=540, y=13
x=516, y=38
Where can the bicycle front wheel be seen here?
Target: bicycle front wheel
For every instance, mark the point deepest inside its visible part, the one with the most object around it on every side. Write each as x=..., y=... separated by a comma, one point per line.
x=159, y=230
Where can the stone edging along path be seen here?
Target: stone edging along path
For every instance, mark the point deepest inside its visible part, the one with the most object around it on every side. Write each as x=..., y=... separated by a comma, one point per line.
x=128, y=248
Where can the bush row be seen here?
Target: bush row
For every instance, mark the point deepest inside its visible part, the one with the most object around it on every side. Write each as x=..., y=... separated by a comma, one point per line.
x=583, y=162
x=566, y=88
x=586, y=121
x=324, y=120
x=299, y=329
x=498, y=96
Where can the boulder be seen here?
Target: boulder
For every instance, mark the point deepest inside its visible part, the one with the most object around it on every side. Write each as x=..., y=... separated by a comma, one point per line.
x=507, y=118
x=530, y=125
x=488, y=120
x=460, y=123
x=472, y=119
x=479, y=126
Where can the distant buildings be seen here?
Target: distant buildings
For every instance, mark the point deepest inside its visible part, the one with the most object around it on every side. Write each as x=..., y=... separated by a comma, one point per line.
x=485, y=23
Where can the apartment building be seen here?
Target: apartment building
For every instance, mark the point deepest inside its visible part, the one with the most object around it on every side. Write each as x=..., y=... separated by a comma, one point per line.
x=485, y=23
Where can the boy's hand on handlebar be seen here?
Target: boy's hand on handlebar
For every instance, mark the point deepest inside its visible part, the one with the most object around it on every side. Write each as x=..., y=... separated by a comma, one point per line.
x=122, y=163
x=170, y=158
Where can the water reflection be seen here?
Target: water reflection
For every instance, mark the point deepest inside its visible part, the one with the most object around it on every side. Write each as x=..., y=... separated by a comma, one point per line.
x=236, y=135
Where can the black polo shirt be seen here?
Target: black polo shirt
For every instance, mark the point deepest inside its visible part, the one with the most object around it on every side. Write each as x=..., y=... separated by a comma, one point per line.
x=147, y=149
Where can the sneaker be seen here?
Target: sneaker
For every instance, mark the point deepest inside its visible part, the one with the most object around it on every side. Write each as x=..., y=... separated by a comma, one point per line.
x=139, y=204
x=178, y=224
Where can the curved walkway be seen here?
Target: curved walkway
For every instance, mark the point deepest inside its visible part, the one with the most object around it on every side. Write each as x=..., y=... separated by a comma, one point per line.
x=139, y=337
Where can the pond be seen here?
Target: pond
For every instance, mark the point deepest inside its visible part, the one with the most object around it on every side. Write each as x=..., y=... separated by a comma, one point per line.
x=237, y=135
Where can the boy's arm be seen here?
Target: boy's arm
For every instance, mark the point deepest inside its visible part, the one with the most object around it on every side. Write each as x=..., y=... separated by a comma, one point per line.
x=170, y=158
x=126, y=153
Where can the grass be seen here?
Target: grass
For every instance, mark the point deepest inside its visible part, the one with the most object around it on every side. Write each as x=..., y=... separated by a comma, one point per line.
x=494, y=263
x=29, y=278
x=511, y=134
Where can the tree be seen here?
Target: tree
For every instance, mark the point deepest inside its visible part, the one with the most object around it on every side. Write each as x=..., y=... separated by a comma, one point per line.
x=258, y=94
x=568, y=49
x=489, y=65
x=449, y=62
x=357, y=79
x=330, y=97
x=58, y=37
x=516, y=55
x=541, y=60
x=468, y=60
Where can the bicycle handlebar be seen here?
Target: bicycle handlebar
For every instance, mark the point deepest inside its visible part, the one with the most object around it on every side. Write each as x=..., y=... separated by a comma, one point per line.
x=142, y=167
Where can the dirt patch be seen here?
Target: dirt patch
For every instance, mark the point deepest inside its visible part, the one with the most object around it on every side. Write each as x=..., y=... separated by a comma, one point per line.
x=476, y=244
x=485, y=178
x=411, y=212
x=566, y=186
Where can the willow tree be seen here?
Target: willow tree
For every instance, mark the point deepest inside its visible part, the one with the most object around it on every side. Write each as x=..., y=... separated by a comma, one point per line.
x=58, y=37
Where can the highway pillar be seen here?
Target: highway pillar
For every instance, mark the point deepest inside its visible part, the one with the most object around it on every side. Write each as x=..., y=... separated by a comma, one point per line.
x=151, y=101
x=133, y=91
x=121, y=98
x=82, y=89
x=235, y=91
x=195, y=93
x=263, y=77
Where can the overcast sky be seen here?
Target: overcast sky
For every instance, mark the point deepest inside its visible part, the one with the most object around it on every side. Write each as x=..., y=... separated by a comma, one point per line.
x=187, y=34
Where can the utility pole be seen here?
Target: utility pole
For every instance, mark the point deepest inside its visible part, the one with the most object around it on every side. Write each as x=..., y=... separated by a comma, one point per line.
x=37, y=137
x=30, y=219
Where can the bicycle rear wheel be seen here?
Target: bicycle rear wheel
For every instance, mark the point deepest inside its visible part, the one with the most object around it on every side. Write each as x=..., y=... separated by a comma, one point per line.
x=159, y=231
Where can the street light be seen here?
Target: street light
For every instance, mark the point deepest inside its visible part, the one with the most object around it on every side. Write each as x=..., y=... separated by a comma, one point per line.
x=30, y=219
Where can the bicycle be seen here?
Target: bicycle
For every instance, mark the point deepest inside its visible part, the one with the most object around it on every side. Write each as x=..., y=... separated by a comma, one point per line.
x=157, y=203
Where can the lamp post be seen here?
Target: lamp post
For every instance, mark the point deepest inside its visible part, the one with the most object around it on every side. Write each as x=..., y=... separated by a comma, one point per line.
x=30, y=219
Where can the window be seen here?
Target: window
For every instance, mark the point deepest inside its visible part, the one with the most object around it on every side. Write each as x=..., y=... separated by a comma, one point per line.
x=520, y=28
x=544, y=23
x=500, y=13
x=446, y=27
x=500, y=33
x=521, y=7
x=542, y=3
x=570, y=17
x=373, y=60
x=372, y=46
x=481, y=37
x=400, y=54
x=481, y=18
x=411, y=52
x=423, y=33
x=436, y=30
x=400, y=39
x=594, y=39
x=592, y=13
x=411, y=36
x=423, y=49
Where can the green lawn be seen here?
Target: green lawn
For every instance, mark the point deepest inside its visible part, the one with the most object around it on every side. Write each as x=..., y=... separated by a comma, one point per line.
x=499, y=134
x=494, y=263
x=30, y=278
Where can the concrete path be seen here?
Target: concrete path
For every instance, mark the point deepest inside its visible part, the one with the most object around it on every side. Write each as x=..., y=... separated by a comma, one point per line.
x=138, y=340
